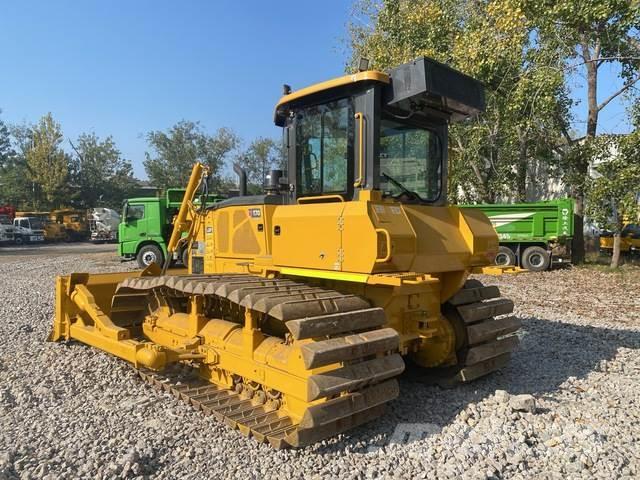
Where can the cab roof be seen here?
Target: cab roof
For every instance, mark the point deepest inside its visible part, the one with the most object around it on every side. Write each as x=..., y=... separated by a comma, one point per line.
x=422, y=86
x=286, y=101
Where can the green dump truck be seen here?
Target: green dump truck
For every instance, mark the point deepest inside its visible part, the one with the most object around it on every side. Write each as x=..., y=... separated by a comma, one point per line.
x=146, y=226
x=534, y=236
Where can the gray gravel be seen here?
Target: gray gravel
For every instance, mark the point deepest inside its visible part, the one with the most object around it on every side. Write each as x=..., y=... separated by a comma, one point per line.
x=566, y=406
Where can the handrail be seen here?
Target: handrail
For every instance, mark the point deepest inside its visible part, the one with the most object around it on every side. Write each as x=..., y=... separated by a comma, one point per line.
x=358, y=183
x=320, y=199
x=387, y=236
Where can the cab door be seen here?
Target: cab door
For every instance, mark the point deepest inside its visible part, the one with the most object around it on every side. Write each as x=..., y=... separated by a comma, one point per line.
x=134, y=226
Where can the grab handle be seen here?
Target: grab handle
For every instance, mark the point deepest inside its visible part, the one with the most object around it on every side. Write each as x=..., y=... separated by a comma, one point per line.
x=387, y=237
x=360, y=117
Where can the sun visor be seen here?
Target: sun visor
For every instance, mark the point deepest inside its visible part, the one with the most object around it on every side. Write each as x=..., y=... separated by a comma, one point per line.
x=426, y=83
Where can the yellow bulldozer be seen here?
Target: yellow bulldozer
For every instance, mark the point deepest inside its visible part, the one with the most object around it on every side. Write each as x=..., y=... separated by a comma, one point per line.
x=302, y=305
x=74, y=223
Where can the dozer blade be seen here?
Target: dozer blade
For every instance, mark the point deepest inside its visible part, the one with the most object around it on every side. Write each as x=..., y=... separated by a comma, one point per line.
x=85, y=295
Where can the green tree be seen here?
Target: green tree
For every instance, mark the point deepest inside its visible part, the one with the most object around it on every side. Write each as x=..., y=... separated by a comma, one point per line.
x=5, y=142
x=17, y=188
x=494, y=42
x=175, y=152
x=47, y=163
x=613, y=194
x=102, y=176
x=14, y=186
x=262, y=155
x=590, y=36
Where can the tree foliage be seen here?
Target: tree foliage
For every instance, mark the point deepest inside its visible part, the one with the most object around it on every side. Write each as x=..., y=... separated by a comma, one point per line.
x=590, y=35
x=176, y=150
x=262, y=155
x=47, y=163
x=529, y=54
x=102, y=177
x=14, y=184
x=5, y=142
x=613, y=192
x=494, y=42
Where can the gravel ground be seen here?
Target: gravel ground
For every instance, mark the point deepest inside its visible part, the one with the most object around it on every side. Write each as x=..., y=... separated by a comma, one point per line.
x=68, y=411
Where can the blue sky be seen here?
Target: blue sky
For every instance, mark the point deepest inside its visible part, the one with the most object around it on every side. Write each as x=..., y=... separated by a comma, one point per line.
x=125, y=68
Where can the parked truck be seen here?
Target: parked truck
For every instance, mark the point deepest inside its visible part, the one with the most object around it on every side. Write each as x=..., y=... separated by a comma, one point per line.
x=103, y=224
x=534, y=236
x=6, y=229
x=74, y=222
x=629, y=240
x=146, y=226
x=53, y=232
x=7, y=214
x=28, y=229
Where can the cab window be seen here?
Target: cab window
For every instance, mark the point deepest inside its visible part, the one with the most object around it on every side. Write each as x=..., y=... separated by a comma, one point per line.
x=135, y=212
x=631, y=230
x=323, y=146
x=410, y=161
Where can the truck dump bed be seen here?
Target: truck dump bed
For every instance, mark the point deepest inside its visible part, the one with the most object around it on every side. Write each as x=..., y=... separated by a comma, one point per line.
x=531, y=222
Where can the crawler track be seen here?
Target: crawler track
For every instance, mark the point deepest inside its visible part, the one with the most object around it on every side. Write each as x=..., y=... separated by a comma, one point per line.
x=347, y=332
x=485, y=330
x=345, y=329
x=238, y=410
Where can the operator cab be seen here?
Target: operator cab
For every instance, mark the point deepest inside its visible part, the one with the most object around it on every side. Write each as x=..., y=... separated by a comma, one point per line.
x=375, y=131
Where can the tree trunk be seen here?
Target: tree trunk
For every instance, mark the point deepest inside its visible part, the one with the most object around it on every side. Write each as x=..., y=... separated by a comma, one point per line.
x=615, y=257
x=577, y=244
x=578, y=250
x=521, y=181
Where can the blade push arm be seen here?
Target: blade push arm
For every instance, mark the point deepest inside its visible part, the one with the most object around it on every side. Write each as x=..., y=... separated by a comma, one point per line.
x=181, y=224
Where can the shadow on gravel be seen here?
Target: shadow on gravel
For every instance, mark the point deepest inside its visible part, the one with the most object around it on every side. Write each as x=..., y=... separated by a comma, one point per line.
x=549, y=354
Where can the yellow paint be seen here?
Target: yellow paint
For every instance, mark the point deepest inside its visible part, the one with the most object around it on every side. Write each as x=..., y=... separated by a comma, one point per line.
x=627, y=243
x=497, y=270
x=405, y=259
x=309, y=273
x=370, y=75
x=181, y=223
x=74, y=222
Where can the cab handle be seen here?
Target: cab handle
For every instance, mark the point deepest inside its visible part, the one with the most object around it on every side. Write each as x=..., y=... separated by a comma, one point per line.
x=387, y=237
x=360, y=118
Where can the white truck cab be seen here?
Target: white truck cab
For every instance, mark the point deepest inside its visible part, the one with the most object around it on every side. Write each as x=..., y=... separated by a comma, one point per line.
x=6, y=229
x=28, y=229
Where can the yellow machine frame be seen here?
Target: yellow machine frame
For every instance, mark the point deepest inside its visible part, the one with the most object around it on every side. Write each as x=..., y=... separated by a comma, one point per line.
x=298, y=314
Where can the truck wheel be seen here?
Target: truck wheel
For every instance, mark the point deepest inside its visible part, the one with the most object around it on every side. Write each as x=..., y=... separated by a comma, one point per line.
x=18, y=240
x=505, y=256
x=149, y=254
x=536, y=259
x=185, y=257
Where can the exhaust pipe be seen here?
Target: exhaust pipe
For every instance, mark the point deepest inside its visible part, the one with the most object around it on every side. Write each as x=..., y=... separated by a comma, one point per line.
x=242, y=175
